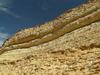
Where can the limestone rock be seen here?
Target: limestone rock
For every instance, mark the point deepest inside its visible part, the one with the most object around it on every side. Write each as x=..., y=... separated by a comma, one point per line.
x=68, y=45
x=72, y=19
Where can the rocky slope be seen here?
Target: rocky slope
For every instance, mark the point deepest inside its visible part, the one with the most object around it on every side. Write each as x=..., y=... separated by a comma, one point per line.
x=68, y=45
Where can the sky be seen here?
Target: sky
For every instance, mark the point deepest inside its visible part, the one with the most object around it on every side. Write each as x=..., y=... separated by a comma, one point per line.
x=21, y=14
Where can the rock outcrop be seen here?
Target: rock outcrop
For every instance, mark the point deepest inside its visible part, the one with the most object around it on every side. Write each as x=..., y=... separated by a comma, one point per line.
x=72, y=19
x=68, y=45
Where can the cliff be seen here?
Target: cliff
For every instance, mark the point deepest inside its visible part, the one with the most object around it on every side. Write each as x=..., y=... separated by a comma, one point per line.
x=70, y=44
x=73, y=19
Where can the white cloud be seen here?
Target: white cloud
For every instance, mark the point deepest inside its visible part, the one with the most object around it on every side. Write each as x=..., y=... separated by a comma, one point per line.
x=4, y=35
x=8, y=12
x=5, y=5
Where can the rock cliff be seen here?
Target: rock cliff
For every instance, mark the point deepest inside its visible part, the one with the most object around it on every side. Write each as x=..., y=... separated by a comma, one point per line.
x=68, y=45
x=72, y=19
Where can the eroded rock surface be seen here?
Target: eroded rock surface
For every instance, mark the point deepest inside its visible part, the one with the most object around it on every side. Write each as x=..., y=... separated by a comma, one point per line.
x=68, y=45
x=73, y=19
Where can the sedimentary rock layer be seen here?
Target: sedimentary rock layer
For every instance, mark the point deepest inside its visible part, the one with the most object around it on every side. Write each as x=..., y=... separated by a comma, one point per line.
x=73, y=19
x=64, y=62
x=62, y=20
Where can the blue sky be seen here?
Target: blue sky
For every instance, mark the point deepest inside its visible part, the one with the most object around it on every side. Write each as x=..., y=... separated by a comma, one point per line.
x=21, y=14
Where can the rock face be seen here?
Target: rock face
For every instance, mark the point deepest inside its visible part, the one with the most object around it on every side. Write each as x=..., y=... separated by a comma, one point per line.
x=68, y=45
x=73, y=19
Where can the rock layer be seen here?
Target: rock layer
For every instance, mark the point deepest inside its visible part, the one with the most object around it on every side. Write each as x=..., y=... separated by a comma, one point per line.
x=72, y=19
x=76, y=52
x=63, y=62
